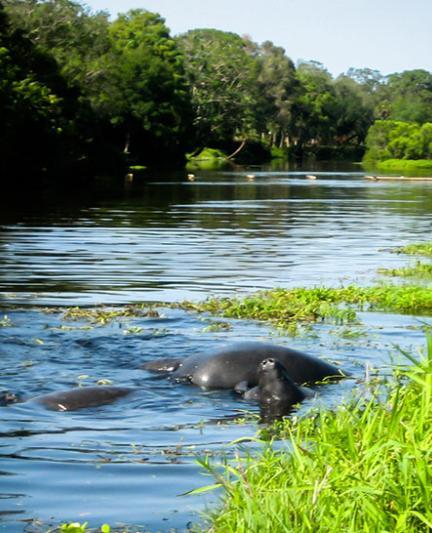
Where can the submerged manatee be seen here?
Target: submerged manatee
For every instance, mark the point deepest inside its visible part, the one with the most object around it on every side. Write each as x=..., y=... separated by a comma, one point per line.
x=78, y=398
x=239, y=362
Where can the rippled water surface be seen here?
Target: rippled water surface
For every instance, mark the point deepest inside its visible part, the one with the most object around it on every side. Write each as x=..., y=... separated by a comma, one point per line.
x=164, y=239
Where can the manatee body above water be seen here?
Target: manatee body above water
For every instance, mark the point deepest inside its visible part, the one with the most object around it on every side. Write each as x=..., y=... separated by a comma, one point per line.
x=226, y=368
x=276, y=391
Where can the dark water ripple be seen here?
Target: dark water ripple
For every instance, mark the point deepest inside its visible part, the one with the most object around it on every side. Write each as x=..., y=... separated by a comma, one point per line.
x=165, y=240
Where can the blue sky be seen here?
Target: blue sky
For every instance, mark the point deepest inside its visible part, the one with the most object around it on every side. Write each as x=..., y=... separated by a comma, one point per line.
x=388, y=35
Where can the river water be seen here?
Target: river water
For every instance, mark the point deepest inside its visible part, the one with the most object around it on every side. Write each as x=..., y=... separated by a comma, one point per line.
x=163, y=238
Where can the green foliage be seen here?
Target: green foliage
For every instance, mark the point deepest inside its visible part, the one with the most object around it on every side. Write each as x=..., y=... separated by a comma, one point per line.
x=146, y=96
x=207, y=159
x=363, y=467
x=390, y=139
x=208, y=154
x=221, y=75
x=314, y=107
x=81, y=92
x=353, y=114
x=408, y=96
x=74, y=527
x=71, y=33
x=278, y=88
x=77, y=527
x=407, y=165
x=36, y=107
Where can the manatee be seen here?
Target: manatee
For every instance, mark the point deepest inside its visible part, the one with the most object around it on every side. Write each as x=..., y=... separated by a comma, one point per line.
x=229, y=366
x=73, y=399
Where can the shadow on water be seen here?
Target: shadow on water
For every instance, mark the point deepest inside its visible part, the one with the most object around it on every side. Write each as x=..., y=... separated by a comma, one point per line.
x=164, y=238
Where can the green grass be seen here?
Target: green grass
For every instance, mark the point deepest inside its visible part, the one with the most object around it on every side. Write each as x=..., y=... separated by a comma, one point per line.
x=207, y=159
x=364, y=467
x=418, y=270
x=207, y=154
x=287, y=308
x=424, y=248
x=405, y=164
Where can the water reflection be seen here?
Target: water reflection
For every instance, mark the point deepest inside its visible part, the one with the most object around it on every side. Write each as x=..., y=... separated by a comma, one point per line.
x=163, y=239
x=167, y=240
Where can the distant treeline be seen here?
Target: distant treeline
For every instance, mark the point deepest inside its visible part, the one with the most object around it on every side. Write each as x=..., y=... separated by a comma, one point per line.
x=84, y=94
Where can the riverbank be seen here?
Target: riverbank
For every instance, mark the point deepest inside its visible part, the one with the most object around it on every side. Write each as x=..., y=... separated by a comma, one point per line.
x=404, y=164
x=363, y=467
x=169, y=239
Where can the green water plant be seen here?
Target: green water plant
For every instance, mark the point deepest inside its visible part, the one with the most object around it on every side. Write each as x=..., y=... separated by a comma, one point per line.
x=104, y=315
x=423, y=248
x=418, y=270
x=287, y=308
x=364, y=467
x=77, y=527
x=5, y=322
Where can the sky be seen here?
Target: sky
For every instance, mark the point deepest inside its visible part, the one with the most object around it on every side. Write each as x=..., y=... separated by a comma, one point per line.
x=387, y=35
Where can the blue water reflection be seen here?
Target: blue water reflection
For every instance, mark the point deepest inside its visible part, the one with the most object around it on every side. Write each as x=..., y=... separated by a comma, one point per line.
x=167, y=239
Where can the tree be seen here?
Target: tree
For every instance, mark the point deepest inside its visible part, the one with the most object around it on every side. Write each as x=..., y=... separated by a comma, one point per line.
x=76, y=37
x=278, y=88
x=393, y=139
x=36, y=107
x=314, y=107
x=146, y=97
x=409, y=96
x=221, y=74
x=353, y=113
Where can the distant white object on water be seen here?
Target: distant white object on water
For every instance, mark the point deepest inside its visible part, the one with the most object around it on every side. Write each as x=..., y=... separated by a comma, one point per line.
x=250, y=176
x=311, y=177
x=191, y=177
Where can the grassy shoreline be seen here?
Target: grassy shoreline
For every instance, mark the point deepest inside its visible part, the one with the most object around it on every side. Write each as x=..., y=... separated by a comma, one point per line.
x=364, y=467
x=404, y=164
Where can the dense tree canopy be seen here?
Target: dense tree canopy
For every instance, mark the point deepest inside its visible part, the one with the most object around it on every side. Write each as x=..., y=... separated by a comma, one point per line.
x=37, y=109
x=147, y=95
x=78, y=88
x=221, y=75
x=278, y=88
x=393, y=139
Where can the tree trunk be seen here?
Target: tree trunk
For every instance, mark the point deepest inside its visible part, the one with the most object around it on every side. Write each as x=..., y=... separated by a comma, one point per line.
x=127, y=143
x=238, y=150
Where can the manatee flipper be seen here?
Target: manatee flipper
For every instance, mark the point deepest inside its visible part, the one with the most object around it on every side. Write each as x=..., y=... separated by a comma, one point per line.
x=252, y=394
x=246, y=391
x=241, y=387
x=162, y=365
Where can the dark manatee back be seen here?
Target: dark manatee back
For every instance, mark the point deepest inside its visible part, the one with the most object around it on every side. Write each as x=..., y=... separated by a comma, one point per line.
x=239, y=362
x=79, y=398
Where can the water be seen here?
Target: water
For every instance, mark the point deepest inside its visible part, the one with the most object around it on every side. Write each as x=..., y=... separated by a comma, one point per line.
x=163, y=240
